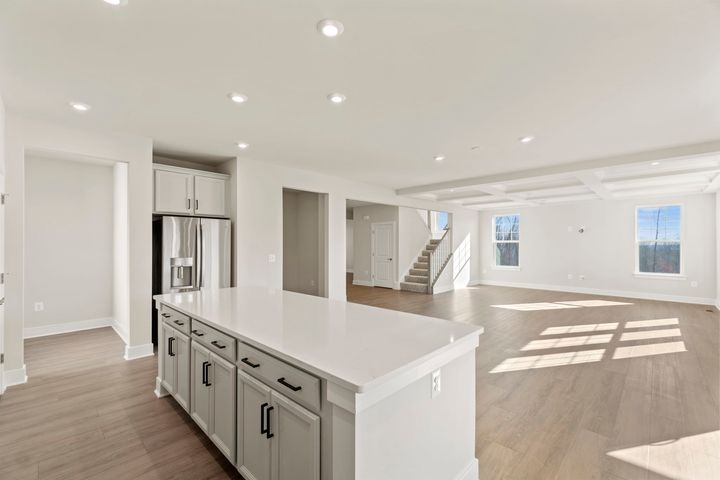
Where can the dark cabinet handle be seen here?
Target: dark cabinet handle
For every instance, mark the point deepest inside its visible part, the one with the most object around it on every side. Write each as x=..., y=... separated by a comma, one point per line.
x=170, y=345
x=263, y=428
x=204, y=373
x=198, y=333
x=267, y=422
x=248, y=362
x=178, y=322
x=214, y=342
x=282, y=381
x=166, y=315
x=207, y=374
x=197, y=204
x=188, y=200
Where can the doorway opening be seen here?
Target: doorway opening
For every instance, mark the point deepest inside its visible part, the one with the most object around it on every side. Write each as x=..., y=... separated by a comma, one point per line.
x=304, y=258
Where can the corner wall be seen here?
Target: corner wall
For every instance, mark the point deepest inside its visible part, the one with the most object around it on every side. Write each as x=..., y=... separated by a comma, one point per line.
x=259, y=210
x=22, y=135
x=551, y=249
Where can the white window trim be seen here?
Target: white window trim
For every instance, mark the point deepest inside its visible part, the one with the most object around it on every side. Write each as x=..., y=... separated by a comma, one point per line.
x=661, y=276
x=495, y=266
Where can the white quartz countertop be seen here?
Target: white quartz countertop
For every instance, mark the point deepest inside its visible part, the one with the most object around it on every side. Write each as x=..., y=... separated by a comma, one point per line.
x=356, y=346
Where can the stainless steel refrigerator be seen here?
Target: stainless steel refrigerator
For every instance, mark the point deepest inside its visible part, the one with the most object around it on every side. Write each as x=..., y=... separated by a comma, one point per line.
x=195, y=254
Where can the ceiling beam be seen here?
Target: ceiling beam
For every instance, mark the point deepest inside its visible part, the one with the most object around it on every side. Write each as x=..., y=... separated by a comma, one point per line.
x=714, y=185
x=593, y=182
x=569, y=169
x=502, y=194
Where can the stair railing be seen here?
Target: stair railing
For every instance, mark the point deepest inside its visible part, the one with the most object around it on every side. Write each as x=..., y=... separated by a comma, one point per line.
x=439, y=258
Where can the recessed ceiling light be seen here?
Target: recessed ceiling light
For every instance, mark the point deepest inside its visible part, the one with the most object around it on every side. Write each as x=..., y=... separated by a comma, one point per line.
x=439, y=158
x=527, y=139
x=330, y=28
x=237, y=97
x=336, y=97
x=242, y=145
x=80, y=107
x=655, y=164
x=116, y=3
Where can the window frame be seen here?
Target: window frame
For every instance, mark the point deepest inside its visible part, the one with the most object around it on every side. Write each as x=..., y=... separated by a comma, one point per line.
x=495, y=241
x=669, y=276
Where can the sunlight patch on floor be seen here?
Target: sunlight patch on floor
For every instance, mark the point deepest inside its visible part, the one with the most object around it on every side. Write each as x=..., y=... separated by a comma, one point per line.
x=590, y=327
x=532, y=307
x=659, y=322
x=549, y=360
x=648, y=334
x=692, y=457
x=648, y=350
x=567, y=342
x=594, y=303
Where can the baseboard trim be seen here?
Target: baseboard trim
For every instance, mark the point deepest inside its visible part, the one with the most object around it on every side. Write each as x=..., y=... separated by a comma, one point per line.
x=120, y=331
x=363, y=283
x=598, y=291
x=16, y=376
x=350, y=270
x=470, y=472
x=160, y=391
x=138, y=351
x=60, y=328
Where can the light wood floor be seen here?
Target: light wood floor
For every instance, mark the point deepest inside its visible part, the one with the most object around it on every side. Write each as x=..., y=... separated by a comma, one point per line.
x=87, y=413
x=630, y=412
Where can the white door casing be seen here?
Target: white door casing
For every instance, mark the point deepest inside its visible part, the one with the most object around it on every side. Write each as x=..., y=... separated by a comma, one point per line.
x=383, y=254
x=2, y=282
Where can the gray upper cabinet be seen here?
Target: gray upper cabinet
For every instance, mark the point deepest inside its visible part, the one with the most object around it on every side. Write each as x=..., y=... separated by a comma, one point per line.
x=253, y=452
x=296, y=443
x=173, y=192
x=189, y=192
x=175, y=350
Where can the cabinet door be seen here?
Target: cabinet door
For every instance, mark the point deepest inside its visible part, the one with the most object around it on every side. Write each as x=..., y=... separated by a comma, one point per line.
x=169, y=349
x=253, y=446
x=181, y=348
x=222, y=432
x=173, y=192
x=296, y=444
x=199, y=388
x=209, y=196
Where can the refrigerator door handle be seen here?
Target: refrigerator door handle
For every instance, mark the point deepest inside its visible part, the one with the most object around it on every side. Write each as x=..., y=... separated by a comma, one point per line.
x=200, y=254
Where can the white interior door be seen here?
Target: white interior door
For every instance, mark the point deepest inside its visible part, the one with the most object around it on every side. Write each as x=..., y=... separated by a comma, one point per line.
x=2, y=284
x=383, y=248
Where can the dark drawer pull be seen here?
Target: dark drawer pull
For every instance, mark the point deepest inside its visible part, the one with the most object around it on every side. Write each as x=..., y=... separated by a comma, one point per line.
x=206, y=370
x=166, y=315
x=214, y=342
x=170, y=346
x=248, y=362
x=198, y=333
x=204, y=373
x=178, y=322
x=282, y=381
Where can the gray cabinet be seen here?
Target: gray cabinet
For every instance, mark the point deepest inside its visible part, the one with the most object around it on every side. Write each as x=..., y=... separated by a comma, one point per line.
x=175, y=348
x=277, y=438
x=173, y=192
x=213, y=398
x=189, y=192
x=210, y=196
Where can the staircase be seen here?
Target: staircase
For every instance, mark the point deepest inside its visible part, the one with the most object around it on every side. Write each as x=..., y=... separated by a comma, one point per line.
x=418, y=279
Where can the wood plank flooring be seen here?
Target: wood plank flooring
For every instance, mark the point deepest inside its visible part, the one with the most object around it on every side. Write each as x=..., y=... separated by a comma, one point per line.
x=552, y=401
x=626, y=390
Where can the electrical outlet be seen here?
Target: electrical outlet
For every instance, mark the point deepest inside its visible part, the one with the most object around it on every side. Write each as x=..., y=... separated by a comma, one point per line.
x=570, y=276
x=436, y=385
x=694, y=284
x=582, y=277
x=484, y=271
x=271, y=258
x=312, y=283
x=39, y=306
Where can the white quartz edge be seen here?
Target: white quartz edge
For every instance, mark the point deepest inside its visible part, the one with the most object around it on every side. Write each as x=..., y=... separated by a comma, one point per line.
x=460, y=346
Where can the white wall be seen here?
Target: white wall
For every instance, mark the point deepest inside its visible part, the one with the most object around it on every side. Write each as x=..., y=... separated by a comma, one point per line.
x=260, y=206
x=26, y=135
x=121, y=252
x=364, y=217
x=413, y=236
x=68, y=242
x=605, y=253
x=717, y=249
x=350, y=245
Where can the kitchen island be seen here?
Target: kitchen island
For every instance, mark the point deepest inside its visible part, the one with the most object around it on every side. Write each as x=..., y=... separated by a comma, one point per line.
x=291, y=386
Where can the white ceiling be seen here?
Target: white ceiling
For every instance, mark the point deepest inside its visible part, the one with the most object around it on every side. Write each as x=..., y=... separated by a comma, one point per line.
x=588, y=79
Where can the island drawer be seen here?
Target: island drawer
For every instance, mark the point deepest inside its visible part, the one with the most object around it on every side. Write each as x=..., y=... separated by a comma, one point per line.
x=215, y=340
x=280, y=376
x=176, y=319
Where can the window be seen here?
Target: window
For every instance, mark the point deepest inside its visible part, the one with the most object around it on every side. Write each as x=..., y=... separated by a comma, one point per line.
x=506, y=240
x=658, y=239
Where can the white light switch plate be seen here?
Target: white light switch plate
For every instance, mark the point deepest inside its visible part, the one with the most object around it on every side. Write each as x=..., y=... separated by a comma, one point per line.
x=271, y=258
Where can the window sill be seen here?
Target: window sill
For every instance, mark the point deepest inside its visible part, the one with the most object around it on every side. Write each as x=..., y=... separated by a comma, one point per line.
x=661, y=276
x=499, y=267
